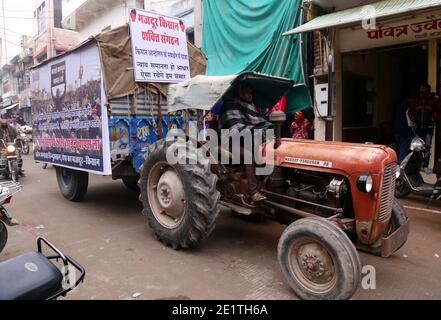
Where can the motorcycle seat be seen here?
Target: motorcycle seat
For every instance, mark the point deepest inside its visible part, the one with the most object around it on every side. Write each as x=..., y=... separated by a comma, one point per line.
x=30, y=276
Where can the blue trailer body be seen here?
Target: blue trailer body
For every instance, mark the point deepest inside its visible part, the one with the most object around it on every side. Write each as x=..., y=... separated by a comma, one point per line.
x=130, y=136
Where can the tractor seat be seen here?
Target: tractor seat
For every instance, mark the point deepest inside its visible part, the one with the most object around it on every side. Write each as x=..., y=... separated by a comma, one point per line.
x=30, y=276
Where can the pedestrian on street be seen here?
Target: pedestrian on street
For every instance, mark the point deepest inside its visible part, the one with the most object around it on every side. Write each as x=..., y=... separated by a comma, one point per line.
x=424, y=112
x=402, y=130
x=301, y=126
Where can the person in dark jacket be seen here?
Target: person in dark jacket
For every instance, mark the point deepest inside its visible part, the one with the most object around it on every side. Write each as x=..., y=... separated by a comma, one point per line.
x=7, y=132
x=241, y=114
x=403, y=133
x=424, y=111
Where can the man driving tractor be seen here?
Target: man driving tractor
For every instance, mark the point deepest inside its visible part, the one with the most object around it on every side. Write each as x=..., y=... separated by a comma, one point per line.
x=240, y=113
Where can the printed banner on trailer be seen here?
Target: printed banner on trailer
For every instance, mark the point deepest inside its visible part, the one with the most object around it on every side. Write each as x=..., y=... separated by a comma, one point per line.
x=159, y=45
x=68, y=112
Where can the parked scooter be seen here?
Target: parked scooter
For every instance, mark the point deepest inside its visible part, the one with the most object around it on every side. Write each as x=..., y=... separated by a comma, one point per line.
x=7, y=190
x=411, y=180
x=33, y=276
x=11, y=162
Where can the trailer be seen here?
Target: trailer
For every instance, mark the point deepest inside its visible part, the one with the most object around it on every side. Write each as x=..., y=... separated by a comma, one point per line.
x=91, y=115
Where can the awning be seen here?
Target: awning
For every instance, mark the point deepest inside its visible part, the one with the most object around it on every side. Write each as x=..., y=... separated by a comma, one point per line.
x=10, y=107
x=383, y=9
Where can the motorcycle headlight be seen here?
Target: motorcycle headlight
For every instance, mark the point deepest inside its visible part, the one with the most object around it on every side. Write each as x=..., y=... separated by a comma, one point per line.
x=11, y=149
x=365, y=183
x=417, y=145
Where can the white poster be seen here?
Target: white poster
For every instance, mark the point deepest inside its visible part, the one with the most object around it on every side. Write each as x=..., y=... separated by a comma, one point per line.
x=69, y=112
x=159, y=44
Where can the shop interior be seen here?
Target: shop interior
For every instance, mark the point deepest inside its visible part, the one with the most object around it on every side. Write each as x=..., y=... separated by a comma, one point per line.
x=374, y=82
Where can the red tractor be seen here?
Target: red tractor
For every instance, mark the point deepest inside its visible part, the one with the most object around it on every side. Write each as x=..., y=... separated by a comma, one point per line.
x=334, y=197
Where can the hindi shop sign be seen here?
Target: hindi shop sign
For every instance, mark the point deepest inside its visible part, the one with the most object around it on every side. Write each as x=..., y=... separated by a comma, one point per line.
x=159, y=44
x=419, y=28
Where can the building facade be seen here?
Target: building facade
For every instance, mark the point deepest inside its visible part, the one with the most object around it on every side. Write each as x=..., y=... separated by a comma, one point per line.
x=50, y=38
x=90, y=17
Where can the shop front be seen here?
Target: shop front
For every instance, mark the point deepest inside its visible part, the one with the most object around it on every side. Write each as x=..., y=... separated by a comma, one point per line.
x=382, y=54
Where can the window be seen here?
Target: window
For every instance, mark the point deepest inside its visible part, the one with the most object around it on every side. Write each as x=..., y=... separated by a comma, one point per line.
x=58, y=15
x=41, y=17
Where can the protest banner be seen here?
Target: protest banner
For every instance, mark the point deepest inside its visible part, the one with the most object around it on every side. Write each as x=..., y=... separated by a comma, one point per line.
x=69, y=116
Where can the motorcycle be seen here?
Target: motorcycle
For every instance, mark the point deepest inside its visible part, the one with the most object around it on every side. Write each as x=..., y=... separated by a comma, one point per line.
x=11, y=162
x=411, y=180
x=7, y=190
x=34, y=276
x=24, y=144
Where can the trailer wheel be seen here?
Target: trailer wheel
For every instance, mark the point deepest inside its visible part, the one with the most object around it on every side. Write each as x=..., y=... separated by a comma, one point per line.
x=180, y=201
x=72, y=183
x=3, y=235
x=131, y=183
x=318, y=260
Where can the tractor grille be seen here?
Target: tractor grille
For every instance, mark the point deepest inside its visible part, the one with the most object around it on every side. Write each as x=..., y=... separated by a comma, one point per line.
x=388, y=192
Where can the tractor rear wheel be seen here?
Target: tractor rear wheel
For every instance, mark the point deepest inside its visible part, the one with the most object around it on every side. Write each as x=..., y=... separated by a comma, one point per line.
x=180, y=201
x=318, y=260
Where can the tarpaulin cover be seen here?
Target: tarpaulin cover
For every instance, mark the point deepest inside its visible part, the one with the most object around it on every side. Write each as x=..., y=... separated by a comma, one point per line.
x=246, y=35
x=116, y=60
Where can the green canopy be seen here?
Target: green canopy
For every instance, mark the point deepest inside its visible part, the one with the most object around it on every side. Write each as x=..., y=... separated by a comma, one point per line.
x=246, y=35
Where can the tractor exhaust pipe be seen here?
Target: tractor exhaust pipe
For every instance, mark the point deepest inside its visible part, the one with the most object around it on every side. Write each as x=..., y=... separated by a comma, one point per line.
x=278, y=118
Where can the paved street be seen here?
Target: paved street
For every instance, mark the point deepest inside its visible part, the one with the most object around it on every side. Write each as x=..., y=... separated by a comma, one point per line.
x=108, y=235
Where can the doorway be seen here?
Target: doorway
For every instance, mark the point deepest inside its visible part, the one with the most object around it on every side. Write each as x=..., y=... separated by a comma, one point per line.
x=374, y=82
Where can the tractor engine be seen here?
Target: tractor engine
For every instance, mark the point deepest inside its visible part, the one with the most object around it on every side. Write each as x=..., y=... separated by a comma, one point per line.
x=313, y=191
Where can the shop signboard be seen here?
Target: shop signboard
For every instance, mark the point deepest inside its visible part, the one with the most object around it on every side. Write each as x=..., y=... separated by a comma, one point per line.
x=400, y=30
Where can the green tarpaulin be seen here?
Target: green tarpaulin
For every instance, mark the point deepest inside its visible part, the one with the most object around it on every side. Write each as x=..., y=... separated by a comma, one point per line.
x=246, y=35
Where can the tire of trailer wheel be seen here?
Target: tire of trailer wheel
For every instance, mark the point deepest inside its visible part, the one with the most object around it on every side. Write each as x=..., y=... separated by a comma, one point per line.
x=72, y=183
x=318, y=260
x=190, y=187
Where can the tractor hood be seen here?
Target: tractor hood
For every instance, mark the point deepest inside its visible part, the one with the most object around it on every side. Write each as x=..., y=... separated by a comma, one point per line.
x=344, y=158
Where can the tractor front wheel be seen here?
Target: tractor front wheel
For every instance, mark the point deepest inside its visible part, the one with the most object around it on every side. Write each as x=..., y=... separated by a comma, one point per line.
x=318, y=260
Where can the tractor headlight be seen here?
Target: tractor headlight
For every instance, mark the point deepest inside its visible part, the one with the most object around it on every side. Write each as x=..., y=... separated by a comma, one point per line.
x=365, y=183
x=398, y=172
x=11, y=149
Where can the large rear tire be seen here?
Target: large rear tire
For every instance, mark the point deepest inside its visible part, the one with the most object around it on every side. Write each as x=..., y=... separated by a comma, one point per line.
x=3, y=235
x=318, y=260
x=72, y=183
x=180, y=201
